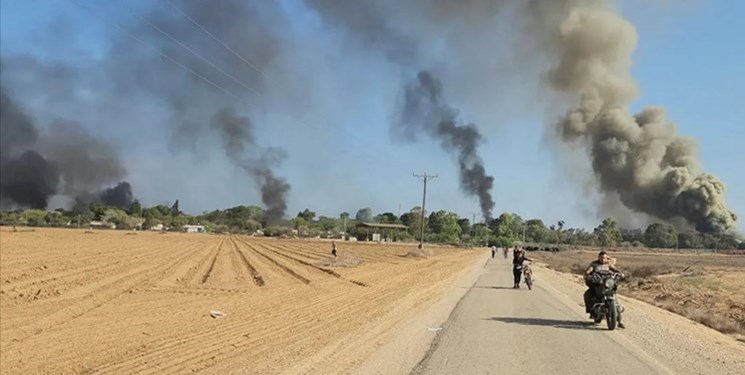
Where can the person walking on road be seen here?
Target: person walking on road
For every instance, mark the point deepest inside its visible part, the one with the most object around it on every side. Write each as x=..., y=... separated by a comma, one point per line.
x=333, y=248
x=493, y=251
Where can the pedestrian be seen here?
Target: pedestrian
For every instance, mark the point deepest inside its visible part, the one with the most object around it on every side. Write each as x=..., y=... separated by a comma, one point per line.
x=493, y=251
x=517, y=265
x=333, y=248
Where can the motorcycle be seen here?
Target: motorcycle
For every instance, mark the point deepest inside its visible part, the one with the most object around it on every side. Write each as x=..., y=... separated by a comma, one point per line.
x=605, y=304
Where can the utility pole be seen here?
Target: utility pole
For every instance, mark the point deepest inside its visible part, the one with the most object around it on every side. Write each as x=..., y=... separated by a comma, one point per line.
x=425, y=177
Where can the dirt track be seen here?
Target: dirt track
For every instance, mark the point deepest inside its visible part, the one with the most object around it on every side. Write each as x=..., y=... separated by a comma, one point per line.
x=109, y=302
x=498, y=330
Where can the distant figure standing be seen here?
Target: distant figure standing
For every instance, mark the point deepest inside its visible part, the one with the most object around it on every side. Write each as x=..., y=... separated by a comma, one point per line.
x=333, y=248
x=493, y=251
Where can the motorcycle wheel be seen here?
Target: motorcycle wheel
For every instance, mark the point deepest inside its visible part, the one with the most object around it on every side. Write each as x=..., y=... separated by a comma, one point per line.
x=529, y=282
x=612, y=315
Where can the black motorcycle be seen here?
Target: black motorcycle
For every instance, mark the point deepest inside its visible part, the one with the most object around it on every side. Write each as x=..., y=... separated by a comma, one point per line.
x=605, y=304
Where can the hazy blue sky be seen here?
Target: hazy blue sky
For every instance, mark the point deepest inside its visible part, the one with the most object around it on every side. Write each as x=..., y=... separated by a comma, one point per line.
x=690, y=59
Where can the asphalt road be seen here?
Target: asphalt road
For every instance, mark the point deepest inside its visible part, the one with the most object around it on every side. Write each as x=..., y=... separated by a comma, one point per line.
x=499, y=330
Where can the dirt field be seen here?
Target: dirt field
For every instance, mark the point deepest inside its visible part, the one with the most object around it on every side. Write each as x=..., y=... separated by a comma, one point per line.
x=112, y=302
x=708, y=288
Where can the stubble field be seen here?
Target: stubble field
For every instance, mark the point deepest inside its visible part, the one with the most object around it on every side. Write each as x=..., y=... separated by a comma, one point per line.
x=113, y=302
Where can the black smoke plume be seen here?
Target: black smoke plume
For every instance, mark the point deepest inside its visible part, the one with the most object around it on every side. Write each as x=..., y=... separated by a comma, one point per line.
x=425, y=111
x=62, y=160
x=237, y=133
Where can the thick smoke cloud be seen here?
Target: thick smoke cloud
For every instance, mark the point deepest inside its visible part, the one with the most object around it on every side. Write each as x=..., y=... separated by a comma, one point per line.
x=212, y=42
x=640, y=157
x=26, y=177
x=425, y=111
x=237, y=133
x=34, y=165
x=171, y=64
x=272, y=67
x=118, y=196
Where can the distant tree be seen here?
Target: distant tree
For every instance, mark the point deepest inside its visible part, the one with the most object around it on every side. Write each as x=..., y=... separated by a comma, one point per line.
x=150, y=222
x=164, y=210
x=631, y=235
x=608, y=233
x=515, y=227
x=56, y=219
x=364, y=214
x=115, y=216
x=560, y=224
x=741, y=245
x=445, y=226
x=660, y=235
x=327, y=224
x=690, y=240
x=536, y=231
x=344, y=215
x=412, y=219
x=727, y=241
x=709, y=241
x=251, y=226
x=9, y=218
x=174, y=209
x=136, y=208
x=387, y=218
x=34, y=218
x=465, y=226
x=307, y=215
x=298, y=223
x=179, y=221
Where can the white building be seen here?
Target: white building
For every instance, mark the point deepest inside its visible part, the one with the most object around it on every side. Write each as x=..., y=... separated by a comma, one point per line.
x=193, y=228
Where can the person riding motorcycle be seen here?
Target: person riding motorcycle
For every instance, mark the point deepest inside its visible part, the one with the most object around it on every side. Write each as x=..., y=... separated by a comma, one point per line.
x=602, y=264
x=517, y=265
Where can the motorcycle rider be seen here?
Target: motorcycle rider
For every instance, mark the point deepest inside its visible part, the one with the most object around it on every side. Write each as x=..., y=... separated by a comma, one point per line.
x=517, y=265
x=602, y=264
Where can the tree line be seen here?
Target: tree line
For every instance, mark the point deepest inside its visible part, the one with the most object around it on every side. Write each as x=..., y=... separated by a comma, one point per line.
x=439, y=226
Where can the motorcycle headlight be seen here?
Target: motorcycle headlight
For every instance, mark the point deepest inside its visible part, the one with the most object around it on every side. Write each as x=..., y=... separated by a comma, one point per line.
x=609, y=283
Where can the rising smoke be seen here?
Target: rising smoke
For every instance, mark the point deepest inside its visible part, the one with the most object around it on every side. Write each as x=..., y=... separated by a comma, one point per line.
x=585, y=47
x=640, y=157
x=34, y=165
x=170, y=64
x=425, y=111
x=240, y=145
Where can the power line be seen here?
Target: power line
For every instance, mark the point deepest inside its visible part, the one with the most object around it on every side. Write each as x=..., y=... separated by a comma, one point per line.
x=131, y=35
x=254, y=67
x=425, y=177
x=375, y=158
x=359, y=152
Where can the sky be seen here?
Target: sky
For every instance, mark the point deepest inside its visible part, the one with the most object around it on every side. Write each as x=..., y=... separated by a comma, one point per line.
x=330, y=107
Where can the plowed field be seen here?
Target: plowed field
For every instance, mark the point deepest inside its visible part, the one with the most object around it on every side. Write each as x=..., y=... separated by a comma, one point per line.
x=112, y=302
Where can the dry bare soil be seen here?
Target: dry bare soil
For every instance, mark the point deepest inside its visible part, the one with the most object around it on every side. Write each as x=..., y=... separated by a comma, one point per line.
x=705, y=287
x=116, y=302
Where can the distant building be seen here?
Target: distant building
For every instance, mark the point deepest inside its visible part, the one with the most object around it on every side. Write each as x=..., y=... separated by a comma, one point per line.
x=193, y=228
x=157, y=227
x=379, y=231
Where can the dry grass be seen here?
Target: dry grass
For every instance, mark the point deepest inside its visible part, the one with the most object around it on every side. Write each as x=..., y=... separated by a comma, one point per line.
x=707, y=288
